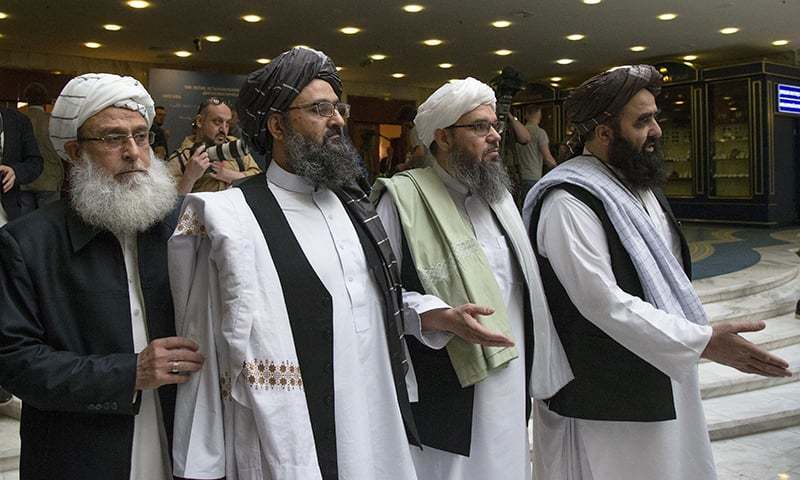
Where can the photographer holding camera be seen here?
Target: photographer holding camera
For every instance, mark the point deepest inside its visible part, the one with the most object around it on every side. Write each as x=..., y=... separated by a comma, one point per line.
x=211, y=160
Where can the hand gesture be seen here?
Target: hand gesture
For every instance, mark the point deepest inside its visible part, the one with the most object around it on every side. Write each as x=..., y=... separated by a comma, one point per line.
x=729, y=348
x=165, y=361
x=8, y=178
x=462, y=322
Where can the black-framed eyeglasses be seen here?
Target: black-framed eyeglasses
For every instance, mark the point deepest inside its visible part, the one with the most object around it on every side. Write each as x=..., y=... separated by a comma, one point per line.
x=115, y=141
x=326, y=109
x=482, y=127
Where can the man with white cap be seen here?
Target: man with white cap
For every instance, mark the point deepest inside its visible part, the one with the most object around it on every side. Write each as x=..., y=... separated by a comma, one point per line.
x=458, y=235
x=86, y=318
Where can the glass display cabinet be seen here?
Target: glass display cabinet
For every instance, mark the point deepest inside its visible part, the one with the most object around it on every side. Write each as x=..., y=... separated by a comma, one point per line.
x=677, y=140
x=730, y=143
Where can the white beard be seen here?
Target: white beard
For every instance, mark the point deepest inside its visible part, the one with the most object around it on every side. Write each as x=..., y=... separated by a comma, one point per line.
x=122, y=207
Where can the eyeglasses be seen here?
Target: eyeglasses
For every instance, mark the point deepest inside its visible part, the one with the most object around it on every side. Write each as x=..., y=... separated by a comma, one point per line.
x=208, y=102
x=482, y=127
x=326, y=109
x=115, y=141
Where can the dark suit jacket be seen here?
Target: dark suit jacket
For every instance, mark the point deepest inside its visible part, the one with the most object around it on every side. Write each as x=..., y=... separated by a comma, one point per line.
x=66, y=346
x=20, y=152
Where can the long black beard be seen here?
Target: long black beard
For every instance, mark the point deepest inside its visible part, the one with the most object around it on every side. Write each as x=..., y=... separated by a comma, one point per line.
x=640, y=168
x=331, y=164
x=488, y=179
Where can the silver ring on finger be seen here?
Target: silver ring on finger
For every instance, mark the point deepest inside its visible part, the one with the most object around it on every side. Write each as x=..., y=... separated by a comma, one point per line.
x=174, y=367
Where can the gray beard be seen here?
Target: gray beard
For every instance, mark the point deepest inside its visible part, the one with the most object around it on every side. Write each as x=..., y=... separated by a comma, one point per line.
x=122, y=207
x=489, y=179
x=330, y=165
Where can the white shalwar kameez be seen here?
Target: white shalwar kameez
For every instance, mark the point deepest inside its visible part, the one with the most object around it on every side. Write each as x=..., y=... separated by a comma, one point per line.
x=371, y=441
x=500, y=448
x=571, y=236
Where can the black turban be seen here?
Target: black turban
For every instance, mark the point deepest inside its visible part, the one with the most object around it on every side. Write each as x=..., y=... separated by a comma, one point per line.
x=274, y=87
x=604, y=96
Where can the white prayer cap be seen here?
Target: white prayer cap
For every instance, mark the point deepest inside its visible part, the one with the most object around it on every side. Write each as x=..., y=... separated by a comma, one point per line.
x=448, y=103
x=87, y=95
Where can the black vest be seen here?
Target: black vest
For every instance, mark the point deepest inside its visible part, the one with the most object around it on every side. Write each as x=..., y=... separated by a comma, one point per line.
x=310, y=310
x=611, y=382
x=444, y=409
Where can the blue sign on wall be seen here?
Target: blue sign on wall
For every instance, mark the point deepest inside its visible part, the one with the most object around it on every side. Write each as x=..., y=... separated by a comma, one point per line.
x=788, y=99
x=182, y=92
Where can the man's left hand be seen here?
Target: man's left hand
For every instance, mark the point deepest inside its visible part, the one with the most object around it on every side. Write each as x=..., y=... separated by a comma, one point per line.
x=462, y=322
x=224, y=174
x=8, y=176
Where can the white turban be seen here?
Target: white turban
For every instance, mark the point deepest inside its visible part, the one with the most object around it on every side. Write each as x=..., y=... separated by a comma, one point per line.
x=88, y=94
x=448, y=103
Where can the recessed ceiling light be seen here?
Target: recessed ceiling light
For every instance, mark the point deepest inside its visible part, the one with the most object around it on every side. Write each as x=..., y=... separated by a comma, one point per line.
x=663, y=69
x=501, y=24
x=780, y=43
x=690, y=58
x=733, y=109
x=2, y=35
x=250, y=18
x=638, y=48
x=555, y=85
x=667, y=16
x=350, y=30
x=3, y=15
x=432, y=42
x=413, y=8
x=728, y=30
x=111, y=27
x=183, y=54
x=576, y=36
x=213, y=38
x=377, y=56
x=398, y=75
x=555, y=79
x=445, y=65
x=689, y=64
x=679, y=102
x=56, y=72
x=92, y=45
x=138, y=4
x=263, y=61
x=339, y=69
x=591, y=2
x=503, y=52
x=564, y=61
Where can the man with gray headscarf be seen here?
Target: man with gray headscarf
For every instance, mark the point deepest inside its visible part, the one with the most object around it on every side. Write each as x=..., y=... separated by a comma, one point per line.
x=292, y=290
x=458, y=235
x=617, y=271
x=86, y=320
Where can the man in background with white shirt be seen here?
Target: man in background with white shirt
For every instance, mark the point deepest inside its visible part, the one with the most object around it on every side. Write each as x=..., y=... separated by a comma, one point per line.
x=86, y=319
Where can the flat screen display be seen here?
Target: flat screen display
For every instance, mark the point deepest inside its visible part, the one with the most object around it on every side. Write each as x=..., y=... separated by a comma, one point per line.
x=788, y=99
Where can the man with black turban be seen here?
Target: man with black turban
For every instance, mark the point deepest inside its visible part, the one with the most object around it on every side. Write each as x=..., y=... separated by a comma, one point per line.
x=290, y=286
x=616, y=271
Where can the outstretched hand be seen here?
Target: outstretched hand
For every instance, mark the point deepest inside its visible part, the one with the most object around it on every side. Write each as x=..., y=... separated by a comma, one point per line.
x=461, y=321
x=729, y=348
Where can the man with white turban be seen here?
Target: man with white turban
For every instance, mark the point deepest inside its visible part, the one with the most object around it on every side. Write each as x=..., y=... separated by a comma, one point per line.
x=457, y=235
x=86, y=320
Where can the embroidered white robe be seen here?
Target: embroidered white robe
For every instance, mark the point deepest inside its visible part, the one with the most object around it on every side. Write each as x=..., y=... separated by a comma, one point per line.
x=228, y=298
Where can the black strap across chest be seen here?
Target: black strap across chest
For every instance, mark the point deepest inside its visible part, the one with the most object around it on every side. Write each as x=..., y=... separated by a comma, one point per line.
x=310, y=309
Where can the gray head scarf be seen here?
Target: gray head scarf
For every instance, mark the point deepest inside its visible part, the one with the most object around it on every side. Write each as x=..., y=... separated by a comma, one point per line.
x=603, y=96
x=274, y=87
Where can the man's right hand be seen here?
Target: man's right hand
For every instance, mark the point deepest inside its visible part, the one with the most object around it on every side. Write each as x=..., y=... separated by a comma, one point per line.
x=165, y=361
x=729, y=348
x=197, y=164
